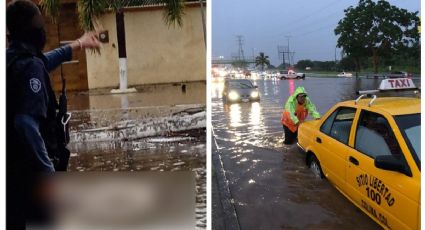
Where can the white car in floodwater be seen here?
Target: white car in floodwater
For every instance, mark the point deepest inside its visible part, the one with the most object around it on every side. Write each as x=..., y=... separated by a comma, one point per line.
x=344, y=74
x=291, y=74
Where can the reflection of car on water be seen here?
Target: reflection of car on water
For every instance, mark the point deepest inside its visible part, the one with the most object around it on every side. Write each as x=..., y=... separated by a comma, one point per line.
x=369, y=149
x=236, y=90
x=344, y=74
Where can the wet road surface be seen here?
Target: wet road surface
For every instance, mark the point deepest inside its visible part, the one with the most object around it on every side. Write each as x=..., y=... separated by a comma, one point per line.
x=161, y=128
x=270, y=184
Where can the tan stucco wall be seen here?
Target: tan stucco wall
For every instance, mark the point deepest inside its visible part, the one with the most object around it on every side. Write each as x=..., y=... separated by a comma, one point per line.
x=156, y=53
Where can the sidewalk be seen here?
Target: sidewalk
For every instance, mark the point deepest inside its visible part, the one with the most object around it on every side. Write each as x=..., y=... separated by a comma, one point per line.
x=224, y=214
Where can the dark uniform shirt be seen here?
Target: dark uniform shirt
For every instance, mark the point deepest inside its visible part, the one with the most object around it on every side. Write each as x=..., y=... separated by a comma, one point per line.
x=30, y=103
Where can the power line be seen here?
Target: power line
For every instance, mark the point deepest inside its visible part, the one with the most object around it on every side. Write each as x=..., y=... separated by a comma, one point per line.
x=294, y=23
x=314, y=12
x=318, y=29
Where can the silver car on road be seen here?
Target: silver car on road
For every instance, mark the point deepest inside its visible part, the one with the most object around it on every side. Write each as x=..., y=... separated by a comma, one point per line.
x=240, y=90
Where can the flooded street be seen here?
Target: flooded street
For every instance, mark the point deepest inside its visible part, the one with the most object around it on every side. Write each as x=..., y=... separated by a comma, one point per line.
x=268, y=183
x=161, y=128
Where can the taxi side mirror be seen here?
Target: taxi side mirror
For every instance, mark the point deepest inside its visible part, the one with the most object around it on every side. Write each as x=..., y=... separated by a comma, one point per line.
x=392, y=163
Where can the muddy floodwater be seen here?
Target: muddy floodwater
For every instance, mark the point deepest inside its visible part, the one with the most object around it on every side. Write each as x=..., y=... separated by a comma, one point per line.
x=158, y=129
x=268, y=183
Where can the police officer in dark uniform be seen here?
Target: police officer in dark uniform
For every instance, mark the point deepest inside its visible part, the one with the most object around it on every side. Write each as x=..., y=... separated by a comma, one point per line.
x=30, y=103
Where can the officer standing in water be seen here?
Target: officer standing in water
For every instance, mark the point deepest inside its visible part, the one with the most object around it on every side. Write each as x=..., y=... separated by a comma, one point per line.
x=297, y=108
x=30, y=103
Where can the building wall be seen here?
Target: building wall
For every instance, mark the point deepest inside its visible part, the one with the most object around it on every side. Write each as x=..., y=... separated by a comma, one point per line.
x=156, y=53
x=75, y=72
x=102, y=68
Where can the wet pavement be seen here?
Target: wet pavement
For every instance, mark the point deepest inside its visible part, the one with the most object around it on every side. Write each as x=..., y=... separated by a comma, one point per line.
x=270, y=185
x=161, y=128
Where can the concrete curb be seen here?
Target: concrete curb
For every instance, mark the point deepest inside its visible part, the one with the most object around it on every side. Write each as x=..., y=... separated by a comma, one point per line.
x=230, y=216
x=134, y=123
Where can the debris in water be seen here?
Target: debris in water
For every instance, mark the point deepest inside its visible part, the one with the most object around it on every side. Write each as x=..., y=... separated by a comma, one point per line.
x=178, y=163
x=243, y=159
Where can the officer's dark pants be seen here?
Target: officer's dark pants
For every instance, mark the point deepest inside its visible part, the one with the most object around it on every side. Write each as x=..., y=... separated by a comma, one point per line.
x=290, y=137
x=25, y=205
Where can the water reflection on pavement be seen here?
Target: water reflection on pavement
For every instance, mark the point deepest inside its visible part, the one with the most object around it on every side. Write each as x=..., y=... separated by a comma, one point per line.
x=161, y=128
x=270, y=185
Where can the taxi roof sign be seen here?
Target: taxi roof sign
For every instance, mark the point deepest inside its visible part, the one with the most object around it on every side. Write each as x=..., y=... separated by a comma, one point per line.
x=397, y=83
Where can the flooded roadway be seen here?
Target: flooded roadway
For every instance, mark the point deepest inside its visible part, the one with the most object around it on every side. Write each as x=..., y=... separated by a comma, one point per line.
x=161, y=128
x=269, y=183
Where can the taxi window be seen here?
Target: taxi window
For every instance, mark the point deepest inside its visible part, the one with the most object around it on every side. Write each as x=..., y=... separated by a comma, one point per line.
x=374, y=136
x=326, y=126
x=338, y=124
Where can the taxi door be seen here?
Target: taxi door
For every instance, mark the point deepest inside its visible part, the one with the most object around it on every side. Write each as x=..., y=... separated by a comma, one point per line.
x=390, y=198
x=332, y=144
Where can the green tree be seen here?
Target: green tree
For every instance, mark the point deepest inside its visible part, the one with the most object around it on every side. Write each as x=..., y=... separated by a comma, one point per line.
x=239, y=64
x=262, y=60
x=346, y=64
x=271, y=66
x=324, y=65
x=90, y=10
x=376, y=29
x=302, y=64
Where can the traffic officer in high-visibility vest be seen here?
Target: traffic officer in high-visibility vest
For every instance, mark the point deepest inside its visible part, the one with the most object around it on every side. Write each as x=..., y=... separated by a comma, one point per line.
x=297, y=108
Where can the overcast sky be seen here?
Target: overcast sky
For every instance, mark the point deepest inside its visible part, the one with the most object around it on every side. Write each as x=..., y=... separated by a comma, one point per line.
x=265, y=24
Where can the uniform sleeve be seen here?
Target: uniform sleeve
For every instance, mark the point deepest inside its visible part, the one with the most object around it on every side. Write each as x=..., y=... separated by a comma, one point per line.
x=289, y=106
x=312, y=109
x=58, y=56
x=28, y=129
x=33, y=98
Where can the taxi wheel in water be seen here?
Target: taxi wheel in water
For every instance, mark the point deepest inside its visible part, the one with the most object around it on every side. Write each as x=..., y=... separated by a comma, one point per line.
x=314, y=166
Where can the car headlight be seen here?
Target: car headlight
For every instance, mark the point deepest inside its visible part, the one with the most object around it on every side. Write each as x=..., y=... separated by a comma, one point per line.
x=254, y=94
x=233, y=96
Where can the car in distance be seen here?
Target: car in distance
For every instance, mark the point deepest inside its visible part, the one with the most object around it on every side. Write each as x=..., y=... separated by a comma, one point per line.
x=240, y=90
x=369, y=149
x=290, y=74
x=345, y=74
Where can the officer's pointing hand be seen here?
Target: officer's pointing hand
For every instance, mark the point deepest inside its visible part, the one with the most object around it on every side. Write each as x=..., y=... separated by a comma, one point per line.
x=88, y=40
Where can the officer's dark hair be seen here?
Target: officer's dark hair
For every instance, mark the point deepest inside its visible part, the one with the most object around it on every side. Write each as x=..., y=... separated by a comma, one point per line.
x=19, y=16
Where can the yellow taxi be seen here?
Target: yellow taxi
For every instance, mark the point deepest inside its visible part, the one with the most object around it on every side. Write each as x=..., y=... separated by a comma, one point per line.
x=369, y=149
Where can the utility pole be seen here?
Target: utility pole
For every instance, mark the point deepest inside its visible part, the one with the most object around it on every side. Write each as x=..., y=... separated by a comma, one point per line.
x=281, y=53
x=289, y=60
x=240, y=44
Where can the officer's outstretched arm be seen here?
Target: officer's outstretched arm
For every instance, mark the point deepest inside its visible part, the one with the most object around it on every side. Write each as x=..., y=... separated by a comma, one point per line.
x=28, y=129
x=312, y=110
x=58, y=56
x=64, y=53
